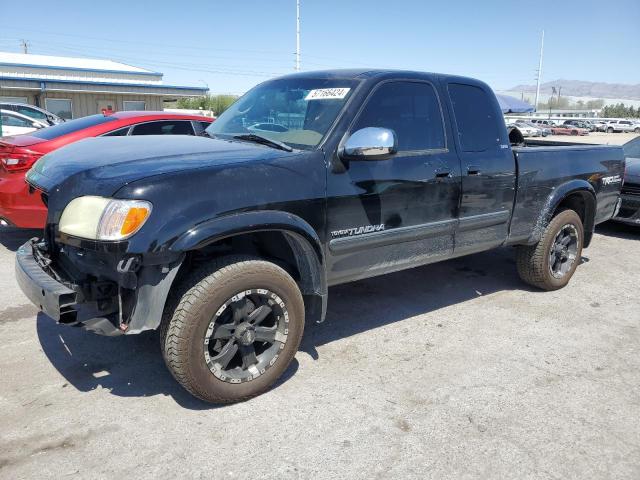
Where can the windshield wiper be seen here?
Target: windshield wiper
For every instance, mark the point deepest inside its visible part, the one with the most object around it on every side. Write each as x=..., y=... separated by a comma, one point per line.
x=252, y=137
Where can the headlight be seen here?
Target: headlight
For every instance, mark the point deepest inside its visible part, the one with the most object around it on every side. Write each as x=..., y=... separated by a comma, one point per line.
x=99, y=218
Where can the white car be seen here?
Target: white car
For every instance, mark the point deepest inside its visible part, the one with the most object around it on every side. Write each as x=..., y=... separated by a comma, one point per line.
x=14, y=123
x=526, y=129
x=32, y=111
x=622, y=126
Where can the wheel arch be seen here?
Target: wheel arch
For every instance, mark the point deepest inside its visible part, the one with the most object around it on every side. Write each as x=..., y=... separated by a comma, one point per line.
x=283, y=237
x=578, y=195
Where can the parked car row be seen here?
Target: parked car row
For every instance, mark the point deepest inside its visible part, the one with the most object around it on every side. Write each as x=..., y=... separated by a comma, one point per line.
x=22, y=148
x=576, y=126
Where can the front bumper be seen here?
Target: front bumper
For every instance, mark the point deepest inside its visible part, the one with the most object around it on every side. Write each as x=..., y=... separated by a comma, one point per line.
x=52, y=297
x=629, y=210
x=63, y=303
x=128, y=303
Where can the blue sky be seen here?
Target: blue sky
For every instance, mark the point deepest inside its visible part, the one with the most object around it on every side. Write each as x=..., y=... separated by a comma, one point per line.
x=232, y=45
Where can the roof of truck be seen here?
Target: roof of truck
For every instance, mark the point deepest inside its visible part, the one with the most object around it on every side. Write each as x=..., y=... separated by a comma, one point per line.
x=365, y=73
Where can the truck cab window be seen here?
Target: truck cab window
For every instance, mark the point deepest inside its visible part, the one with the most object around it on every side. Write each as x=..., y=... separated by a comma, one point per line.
x=411, y=110
x=475, y=118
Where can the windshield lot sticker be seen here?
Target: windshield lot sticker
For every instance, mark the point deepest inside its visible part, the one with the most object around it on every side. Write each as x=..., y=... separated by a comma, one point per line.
x=327, y=94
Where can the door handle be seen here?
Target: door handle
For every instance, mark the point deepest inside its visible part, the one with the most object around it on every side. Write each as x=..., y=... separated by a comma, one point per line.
x=443, y=173
x=473, y=170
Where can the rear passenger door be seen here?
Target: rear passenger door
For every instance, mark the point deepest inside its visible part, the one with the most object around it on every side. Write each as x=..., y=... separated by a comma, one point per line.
x=164, y=127
x=488, y=168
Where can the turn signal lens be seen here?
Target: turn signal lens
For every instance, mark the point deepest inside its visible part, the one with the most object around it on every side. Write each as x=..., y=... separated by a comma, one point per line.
x=134, y=220
x=122, y=218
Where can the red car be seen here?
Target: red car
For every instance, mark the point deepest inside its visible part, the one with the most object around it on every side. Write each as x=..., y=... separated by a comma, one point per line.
x=18, y=207
x=568, y=130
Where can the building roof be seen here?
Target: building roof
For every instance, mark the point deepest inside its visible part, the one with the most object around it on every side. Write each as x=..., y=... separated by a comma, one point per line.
x=75, y=63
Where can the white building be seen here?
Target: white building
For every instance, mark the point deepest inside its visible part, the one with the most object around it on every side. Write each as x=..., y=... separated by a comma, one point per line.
x=76, y=87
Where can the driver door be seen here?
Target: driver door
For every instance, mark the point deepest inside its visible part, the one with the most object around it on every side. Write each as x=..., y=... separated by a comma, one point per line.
x=384, y=215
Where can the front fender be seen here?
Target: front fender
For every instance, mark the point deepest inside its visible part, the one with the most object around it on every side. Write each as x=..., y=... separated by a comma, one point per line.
x=226, y=226
x=302, y=239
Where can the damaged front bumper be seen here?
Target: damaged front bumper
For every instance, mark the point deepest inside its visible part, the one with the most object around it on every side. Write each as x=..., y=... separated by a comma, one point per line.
x=102, y=305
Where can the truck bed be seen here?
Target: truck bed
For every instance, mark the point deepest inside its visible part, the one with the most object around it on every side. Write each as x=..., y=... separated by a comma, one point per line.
x=546, y=169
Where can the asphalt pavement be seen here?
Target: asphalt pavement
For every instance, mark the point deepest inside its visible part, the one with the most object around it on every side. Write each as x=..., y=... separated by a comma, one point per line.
x=451, y=371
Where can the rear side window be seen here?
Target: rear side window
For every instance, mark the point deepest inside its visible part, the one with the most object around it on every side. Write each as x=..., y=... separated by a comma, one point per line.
x=31, y=112
x=121, y=132
x=71, y=126
x=411, y=110
x=475, y=118
x=11, y=121
x=165, y=127
x=200, y=127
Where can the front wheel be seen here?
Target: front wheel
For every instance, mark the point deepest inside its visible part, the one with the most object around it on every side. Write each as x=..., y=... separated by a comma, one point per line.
x=232, y=328
x=551, y=262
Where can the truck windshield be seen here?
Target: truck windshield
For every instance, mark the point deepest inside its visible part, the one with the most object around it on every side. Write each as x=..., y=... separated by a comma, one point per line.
x=297, y=112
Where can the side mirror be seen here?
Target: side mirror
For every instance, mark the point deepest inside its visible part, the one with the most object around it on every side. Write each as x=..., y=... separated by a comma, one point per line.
x=370, y=143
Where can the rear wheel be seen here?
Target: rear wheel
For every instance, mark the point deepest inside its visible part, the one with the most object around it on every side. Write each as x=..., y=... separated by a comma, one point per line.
x=551, y=263
x=232, y=329
x=609, y=130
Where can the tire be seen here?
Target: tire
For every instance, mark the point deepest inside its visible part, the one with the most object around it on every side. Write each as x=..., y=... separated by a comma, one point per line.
x=609, y=130
x=534, y=261
x=636, y=130
x=187, y=328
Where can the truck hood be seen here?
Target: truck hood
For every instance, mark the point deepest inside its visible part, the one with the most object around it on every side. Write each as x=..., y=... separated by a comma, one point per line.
x=100, y=166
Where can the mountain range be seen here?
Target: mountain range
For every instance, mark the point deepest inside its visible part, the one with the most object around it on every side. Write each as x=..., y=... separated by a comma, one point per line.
x=580, y=88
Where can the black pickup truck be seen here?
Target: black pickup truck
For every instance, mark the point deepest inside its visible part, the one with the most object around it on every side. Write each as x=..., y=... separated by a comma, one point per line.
x=227, y=244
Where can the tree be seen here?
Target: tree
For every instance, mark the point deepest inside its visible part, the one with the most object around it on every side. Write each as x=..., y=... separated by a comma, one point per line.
x=620, y=110
x=216, y=103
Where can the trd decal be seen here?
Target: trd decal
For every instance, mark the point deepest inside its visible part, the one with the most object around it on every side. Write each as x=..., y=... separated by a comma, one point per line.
x=611, y=180
x=350, y=232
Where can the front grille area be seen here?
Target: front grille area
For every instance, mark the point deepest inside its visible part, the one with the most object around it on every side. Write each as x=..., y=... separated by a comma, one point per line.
x=631, y=189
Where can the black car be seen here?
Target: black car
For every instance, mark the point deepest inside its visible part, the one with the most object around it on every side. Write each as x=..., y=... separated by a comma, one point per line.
x=630, y=210
x=228, y=244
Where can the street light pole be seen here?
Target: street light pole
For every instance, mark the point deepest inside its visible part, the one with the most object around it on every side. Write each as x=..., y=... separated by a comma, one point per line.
x=539, y=70
x=297, y=35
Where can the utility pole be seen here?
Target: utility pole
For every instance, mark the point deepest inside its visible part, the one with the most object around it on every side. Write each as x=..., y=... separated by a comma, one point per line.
x=25, y=46
x=297, y=35
x=539, y=71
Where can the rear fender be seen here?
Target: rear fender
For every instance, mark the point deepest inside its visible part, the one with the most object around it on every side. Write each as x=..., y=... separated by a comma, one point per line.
x=588, y=194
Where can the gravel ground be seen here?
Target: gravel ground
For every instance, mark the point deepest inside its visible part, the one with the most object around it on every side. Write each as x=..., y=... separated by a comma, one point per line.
x=454, y=370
